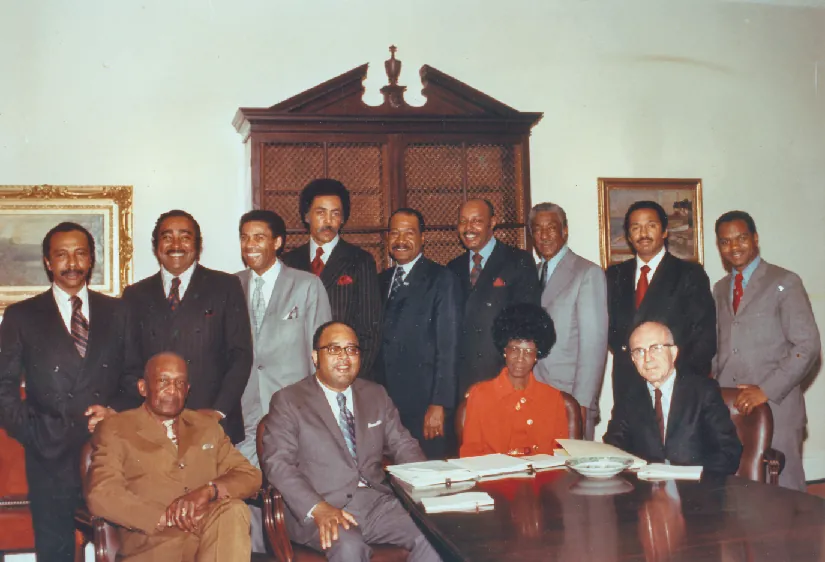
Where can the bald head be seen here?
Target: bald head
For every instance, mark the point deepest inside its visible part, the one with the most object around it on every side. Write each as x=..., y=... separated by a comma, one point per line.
x=653, y=352
x=165, y=385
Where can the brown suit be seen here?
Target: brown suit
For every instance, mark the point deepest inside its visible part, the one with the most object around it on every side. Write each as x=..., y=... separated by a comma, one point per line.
x=136, y=472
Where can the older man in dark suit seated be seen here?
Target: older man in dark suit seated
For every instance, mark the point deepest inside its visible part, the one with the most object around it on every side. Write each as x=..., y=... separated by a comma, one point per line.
x=323, y=442
x=676, y=418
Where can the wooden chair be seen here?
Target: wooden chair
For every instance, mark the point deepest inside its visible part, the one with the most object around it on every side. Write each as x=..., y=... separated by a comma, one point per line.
x=760, y=462
x=16, y=532
x=102, y=534
x=575, y=417
x=278, y=536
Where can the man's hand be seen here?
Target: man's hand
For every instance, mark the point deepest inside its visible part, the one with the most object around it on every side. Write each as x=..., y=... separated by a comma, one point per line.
x=750, y=396
x=186, y=511
x=434, y=422
x=211, y=413
x=328, y=518
x=96, y=414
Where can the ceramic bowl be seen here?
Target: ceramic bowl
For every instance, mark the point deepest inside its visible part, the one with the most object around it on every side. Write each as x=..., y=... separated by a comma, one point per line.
x=599, y=467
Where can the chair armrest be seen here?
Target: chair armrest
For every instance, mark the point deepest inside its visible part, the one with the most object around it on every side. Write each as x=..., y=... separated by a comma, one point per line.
x=275, y=525
x=774, y=462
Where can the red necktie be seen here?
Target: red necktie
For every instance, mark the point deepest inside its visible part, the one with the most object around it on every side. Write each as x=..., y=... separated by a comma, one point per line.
x=738, y=291
x=641, y=286
x=174, y=294
x=318, y=263
x=660, y=416
x=476, y=271
x=79, y=326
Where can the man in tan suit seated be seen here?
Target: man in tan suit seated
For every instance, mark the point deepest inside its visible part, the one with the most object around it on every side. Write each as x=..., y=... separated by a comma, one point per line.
x=170, y=477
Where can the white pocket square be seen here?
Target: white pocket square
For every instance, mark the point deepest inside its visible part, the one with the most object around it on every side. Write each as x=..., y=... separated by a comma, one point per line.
x=292, y=313
x=370, y=425
x=208, y=446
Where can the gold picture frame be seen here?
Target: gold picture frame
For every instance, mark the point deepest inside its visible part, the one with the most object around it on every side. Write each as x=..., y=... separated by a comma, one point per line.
x=27, y=212
x=681, y=199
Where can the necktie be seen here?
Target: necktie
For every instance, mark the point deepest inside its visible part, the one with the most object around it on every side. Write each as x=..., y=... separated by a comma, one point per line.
x=660, y=416
x=170, y=431
x=174, y=294
x=543, y=276
x=79, y=326
x=258, y=308
x=347, y=424
x=641, y=286
x=476, y=271
x=397, y=281
x=738, y=291
x=318, y=263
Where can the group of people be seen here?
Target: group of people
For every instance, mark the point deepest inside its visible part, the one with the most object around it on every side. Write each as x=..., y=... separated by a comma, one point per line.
x=347, y=365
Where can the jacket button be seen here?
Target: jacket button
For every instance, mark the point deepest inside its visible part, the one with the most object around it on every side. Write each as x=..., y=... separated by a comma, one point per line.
x=479, y=355
x=70, y=395
x=736, y=351
x=260, y=367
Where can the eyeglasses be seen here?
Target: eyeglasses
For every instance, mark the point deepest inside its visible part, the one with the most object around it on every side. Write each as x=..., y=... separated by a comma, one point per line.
x=655, y=350
x=521, y=351
x=350, y=350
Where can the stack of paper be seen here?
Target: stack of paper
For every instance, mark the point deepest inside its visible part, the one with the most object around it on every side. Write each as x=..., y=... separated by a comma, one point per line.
x=466, y=501
x=492, y=465
x=657, y=471
x=580, y=448
x=430, y=473
x=544, y=462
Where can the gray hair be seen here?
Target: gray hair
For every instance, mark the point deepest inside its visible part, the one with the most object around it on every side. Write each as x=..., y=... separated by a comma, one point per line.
x=541, y=207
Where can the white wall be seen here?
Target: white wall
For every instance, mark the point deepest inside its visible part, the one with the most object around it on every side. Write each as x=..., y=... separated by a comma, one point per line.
x=143, y=93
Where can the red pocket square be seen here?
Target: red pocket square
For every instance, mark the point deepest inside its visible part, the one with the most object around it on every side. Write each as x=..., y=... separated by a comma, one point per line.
x=345, y=280
x=499, y=282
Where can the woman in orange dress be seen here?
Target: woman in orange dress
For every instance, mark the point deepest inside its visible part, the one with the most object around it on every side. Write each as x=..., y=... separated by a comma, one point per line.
x=514, y=413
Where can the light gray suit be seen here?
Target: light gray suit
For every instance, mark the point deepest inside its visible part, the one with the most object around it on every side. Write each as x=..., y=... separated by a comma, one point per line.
x=576, y=299
x=773, y=342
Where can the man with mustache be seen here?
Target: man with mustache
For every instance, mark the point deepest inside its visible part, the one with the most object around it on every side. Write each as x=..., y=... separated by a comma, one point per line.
x=68, y=344
x=660, y=287
x=198, y=313
x=348, y=272
x=420, y=336
x=574, y=293
x=768, y=338
x=286, y=306
x=492, y=276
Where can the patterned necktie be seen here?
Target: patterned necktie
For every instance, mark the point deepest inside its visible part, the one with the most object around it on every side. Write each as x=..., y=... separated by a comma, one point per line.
x=318, y=263
x=258, y=307
x=476, y=271
x=397, y=281
x=543, y=276
x=738, y=291
x=641, y=286
x=170, y=431
x=174, y=294
x=660, y=416
x=79, y=326
x=347, y=424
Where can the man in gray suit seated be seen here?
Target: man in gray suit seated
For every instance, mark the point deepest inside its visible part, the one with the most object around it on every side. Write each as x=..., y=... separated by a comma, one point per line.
x=574, y=293
x=286, y=306
x=768, y=339
x=323, y=443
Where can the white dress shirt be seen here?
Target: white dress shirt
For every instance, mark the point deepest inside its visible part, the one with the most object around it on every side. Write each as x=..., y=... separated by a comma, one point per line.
x=184, y=277
x=406, y=268
x=328, y=248
x=270, y=276
x=652, y=264
x=64, y=304
x=667, y=395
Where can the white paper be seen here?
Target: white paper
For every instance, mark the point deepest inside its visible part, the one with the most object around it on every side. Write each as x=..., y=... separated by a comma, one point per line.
x=492, y=465
x=581, y=448
x=544, y=462
x=656, y=471
x=430, y=473
x=465, y=501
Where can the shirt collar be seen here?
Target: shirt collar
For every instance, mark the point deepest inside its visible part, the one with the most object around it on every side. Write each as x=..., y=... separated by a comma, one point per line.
x=184, y=277
x=332, y=395
x=654, y=261
x=62, y=296
x=554, y=261
x=666, y=387
x=270, y=275
x=328, y=247
x=504, y=387
x=486, y=250
x=749, y=269
x=407, y=267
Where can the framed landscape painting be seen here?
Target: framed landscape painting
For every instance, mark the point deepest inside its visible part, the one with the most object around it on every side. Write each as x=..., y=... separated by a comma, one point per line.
x=28, y=212
x=681, y=200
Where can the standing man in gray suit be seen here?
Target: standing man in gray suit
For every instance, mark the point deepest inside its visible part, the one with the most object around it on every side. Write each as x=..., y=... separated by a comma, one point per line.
x=574, y=293
x=768, y=339
x=323, y=444
x=286, y=306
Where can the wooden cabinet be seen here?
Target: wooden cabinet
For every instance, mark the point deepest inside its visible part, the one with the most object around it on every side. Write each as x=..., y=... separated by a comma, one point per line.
x=460, y=144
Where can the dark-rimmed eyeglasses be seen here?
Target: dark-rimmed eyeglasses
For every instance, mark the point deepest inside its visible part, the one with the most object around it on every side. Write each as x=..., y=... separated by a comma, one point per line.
x=350, y=350
x=655, y=350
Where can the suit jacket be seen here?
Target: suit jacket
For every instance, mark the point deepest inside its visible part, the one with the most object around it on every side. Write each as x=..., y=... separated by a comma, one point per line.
x=576, y=299
x=210, y=329
x=351, y=280
x=699, y=429
x=678, y=296
x=420, y=339
x=283, y=347
x=305, y=456
x=136, y=471
x=35, y=345
x=508, y=277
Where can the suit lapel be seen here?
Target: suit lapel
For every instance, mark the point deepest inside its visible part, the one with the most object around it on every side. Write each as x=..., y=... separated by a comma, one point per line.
x=279, y=297
x=335, y=264
x=657, y=285
x=725, y=302
x=756, y=284
x=99, y=327
x=186, y=434
x=301, y=259
x=245, y=276
x=464, y=272
x=193, y=291
x=562, y=276
x=319, y=403
x=678, y=403
x=491, y=268
x=56, y=331
x=362, y=416
x=152, y=431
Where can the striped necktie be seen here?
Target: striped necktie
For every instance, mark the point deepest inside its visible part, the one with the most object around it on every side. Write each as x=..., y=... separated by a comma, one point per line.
x=170, y=431
x=347, y=424
x=476, y=271
x=258, y=308
x=397, y=281
x=79, y=326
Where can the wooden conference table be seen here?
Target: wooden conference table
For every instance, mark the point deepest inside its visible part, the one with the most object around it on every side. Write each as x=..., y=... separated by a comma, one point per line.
x=559, y=515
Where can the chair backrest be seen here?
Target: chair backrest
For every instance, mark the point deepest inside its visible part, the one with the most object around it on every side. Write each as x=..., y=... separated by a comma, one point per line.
x=755, y=431
x=259, y=445
x=575, y=418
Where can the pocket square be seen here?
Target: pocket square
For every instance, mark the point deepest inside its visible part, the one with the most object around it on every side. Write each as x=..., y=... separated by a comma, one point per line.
x=292, y=313
x=345, y=280
x=207, y=446
x=499, y=282
x=370, y=425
